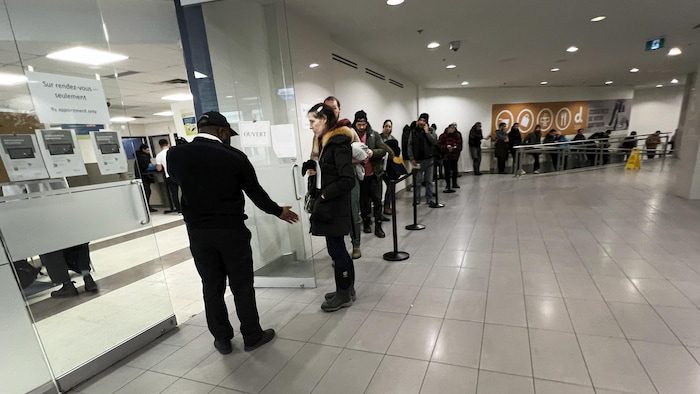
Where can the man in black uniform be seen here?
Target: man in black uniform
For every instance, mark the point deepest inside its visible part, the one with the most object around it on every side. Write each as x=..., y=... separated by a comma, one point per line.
x=213, y=176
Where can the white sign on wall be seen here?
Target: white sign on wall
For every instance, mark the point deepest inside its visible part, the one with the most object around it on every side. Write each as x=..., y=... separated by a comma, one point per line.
x=60, y=99
x=61, y=153
x=283, y=142
x=254, y=134
x=111, y=158
x=20, y=154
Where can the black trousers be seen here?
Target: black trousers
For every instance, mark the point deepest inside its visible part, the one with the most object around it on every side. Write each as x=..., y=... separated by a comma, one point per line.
x=174, y=191
x=220, y=254
x=387, y=195
x=475, y=152
x=536, y=165
x=502, y=164
x=76, y=258
x=147, y=189
x=343, y=266
x=371, y=198
x=450, y=172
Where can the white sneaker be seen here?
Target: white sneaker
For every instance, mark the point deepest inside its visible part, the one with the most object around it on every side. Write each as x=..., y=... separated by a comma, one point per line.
x=522, y=172
x=536, y=172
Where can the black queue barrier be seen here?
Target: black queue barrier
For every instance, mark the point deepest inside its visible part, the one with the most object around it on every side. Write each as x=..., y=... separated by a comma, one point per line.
x=436, y=203
x=396, y=255
x=415, y=226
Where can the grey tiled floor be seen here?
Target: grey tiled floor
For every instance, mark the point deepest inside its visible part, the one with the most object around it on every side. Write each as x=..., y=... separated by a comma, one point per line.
x=579, y=283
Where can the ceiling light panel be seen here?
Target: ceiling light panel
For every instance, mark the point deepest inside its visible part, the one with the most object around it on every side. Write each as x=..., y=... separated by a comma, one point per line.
x=450, y=66
x=164, y=113
x=7, y=79
x=394, y=2
x=675, y=51
x=89, y=56
x=599, y=18
x=177, y=97
x=572, y=49
x=434, y=45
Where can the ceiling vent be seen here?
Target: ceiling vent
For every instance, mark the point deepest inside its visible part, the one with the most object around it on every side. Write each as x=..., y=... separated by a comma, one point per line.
x=176, y=81
x=375, y=74
x=121, y=74
x=344, y=61
x=396, y=83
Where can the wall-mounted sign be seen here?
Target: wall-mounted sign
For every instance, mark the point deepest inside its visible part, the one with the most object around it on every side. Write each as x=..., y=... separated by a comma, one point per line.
x=284, y=142
x=60, y=99
x=61, y=153
x=109, y=152
x=567, y=117
x=21, y=157
x=654, y=44
x=254, y=134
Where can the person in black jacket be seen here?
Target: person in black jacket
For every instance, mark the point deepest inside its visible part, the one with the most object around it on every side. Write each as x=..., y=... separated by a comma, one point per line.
x=535, y=138
x=213, y=176
x=514, y=139
x=475, y=138
x=331, y=216
x=143, y=160
x=420, y=148
x=629, y=143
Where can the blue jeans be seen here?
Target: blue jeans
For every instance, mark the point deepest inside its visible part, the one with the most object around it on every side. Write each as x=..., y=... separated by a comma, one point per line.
x=425, y=173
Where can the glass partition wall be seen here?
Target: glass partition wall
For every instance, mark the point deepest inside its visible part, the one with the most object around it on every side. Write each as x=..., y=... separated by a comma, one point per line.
x=79, y=243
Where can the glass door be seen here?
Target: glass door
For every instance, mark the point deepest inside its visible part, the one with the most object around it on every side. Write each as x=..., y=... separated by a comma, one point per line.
x=77, y=233
x=254, y=89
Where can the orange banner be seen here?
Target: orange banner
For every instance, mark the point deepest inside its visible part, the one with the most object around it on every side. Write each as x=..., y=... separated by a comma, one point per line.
x=567, y=117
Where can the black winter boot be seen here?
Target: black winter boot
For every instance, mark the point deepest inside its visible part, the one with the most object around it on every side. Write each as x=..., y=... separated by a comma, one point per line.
x=353, y=295
x=342, y=299
x=367, y=227
x=378, y=230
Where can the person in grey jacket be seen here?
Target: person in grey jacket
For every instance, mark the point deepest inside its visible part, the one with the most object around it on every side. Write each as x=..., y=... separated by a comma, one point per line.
x=420, y=147
x=371, y=185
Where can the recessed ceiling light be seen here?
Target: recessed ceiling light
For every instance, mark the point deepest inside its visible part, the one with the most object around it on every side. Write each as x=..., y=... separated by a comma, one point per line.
x=11, y=79
x=544, y=83
x=178, y=97
x=434, y=45
x=229, y=96
x=554, y=70
x=572, y=49
x=89, y=56
x=608, y=82
x=659, y=86
x=634, y=70
x=199, y=75
x=164, y=113
x=465, y=83
x=598, y=18
x=394, y=2
x=313, y=65
x=674, y=80
x=121, y=119
x=451, y=66
x=674, y=51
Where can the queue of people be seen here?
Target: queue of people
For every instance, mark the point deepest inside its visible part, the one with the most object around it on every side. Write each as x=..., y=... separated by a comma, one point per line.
x=347, y=164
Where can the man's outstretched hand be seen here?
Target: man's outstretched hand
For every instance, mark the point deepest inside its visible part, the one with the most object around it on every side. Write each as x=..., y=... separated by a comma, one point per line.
x=288, y=215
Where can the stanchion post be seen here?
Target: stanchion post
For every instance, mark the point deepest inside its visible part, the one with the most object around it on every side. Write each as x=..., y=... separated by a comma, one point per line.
x=394, y=255
x=436, y=203
x=415, y=226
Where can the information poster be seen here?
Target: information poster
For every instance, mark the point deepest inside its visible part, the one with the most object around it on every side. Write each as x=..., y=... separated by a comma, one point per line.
x=109, y=152
x=566, y=117
x=283, y=142
x=60, y=99
x=254, y=134
x=61, y=153
x=21, y=157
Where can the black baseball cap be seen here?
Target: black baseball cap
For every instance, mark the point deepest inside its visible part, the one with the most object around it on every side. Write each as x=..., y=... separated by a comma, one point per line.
x=213, y=118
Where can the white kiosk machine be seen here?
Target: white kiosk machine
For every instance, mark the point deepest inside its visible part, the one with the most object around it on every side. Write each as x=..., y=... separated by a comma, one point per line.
x=21, y=157
x=61, y=153
x=110, y=155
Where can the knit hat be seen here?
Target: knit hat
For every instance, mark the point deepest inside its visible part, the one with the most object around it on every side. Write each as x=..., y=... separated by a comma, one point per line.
x=360, y=115
x=424, y=116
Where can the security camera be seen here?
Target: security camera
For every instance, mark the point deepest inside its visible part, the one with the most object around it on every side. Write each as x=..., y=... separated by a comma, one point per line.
x=454, y=45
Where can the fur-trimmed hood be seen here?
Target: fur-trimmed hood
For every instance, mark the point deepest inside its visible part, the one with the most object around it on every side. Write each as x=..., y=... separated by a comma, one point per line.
x=342, y=131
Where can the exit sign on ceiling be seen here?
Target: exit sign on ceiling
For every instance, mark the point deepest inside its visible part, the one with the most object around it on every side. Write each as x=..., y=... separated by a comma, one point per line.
x=656, y=43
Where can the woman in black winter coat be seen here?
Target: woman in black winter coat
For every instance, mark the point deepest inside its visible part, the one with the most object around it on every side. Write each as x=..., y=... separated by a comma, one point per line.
x=331, y=215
